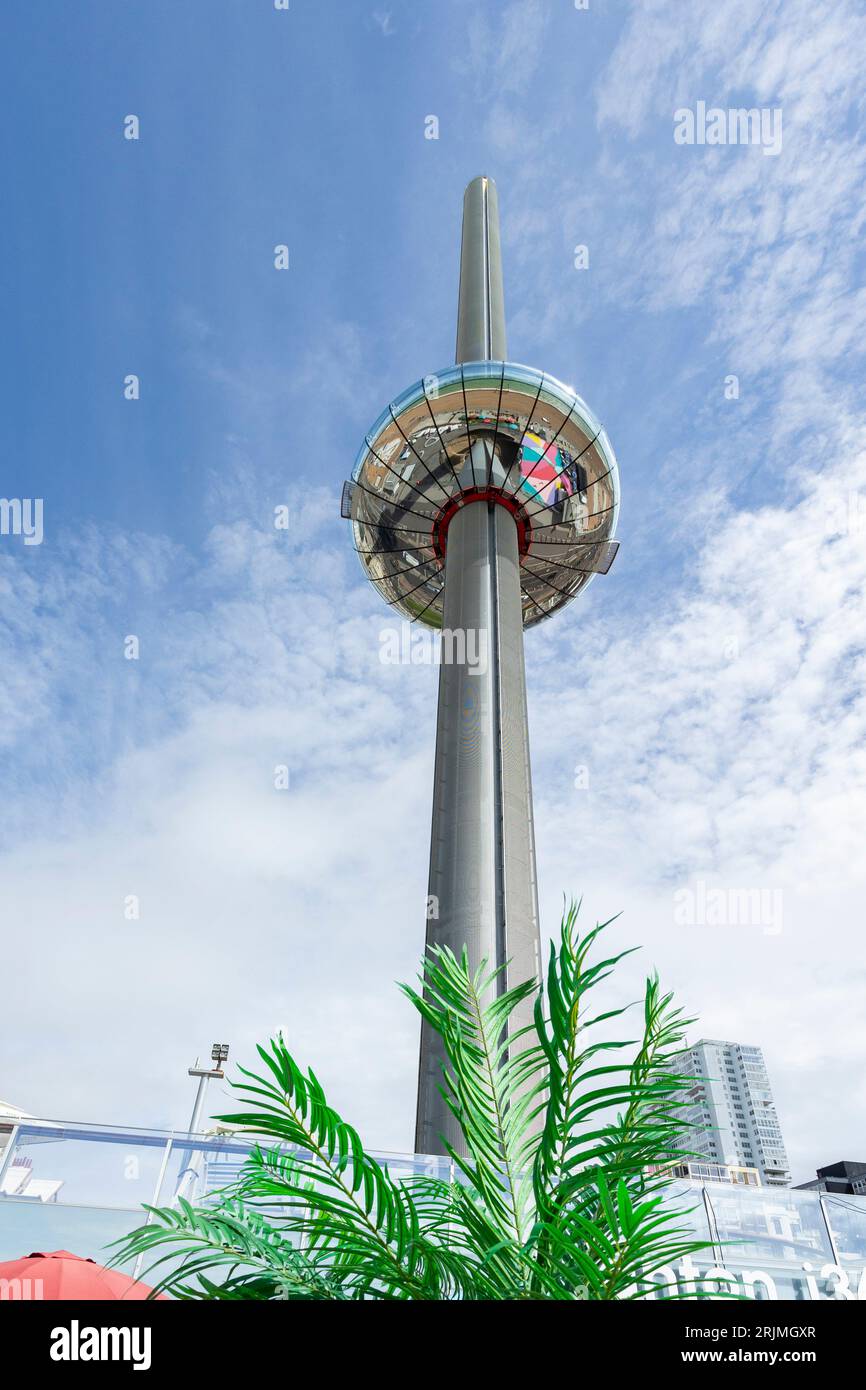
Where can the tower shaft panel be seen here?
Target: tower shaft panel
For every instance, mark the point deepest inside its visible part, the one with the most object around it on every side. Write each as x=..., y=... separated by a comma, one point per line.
x=482, y=885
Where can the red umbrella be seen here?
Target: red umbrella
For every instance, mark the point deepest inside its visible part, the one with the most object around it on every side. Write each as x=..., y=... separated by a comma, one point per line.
x=58, y=1274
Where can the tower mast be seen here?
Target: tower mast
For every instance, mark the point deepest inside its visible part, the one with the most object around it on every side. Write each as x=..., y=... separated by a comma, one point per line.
x=482, y=846
x=483, y=500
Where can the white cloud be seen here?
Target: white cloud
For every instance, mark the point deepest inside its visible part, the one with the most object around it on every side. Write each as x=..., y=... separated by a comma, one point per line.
x=385, y=22
x=257, y=907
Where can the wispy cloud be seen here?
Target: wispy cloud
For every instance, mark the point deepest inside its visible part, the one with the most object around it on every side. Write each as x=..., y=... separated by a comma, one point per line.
x=385, y=21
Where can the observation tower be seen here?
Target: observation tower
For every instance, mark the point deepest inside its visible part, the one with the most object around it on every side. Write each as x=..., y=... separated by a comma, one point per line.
x=483, y=499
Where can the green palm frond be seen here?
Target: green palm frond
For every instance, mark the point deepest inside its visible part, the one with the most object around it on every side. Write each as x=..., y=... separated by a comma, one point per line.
x=561, y=1195
x=229, y=1236
x=651, y=1127
x=615, y=1258
x=562, y=1029
x=494, y=1085
x=330, y=1189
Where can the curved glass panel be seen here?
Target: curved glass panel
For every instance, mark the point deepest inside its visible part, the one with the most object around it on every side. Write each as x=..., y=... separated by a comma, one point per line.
x=411, y=396
x=509, y=430
x=393, y=509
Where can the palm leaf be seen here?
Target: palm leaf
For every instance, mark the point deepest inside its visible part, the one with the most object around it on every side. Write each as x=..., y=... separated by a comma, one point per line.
x=493, y=1084
x=562, y=1193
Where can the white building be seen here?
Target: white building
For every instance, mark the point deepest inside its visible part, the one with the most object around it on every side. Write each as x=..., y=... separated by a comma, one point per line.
x=732, y=1105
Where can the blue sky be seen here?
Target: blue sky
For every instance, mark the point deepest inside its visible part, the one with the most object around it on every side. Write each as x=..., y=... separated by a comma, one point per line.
x=711, y=683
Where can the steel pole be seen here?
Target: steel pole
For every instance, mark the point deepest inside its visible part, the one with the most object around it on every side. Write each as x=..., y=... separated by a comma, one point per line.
x=482, y=884
x=481, y=300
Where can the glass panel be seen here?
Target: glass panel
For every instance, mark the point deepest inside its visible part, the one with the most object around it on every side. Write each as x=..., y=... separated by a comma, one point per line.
x=426, y=446
x=414, y=600
x=586, y=419
x=539, y=600
x=482, y=373
x=444, y=383
x=483, y=403
x=360, y=459
x=407, y=1166
x=408, y=398
x=382, y=569
x=67, y=1164
x=202, y=1165
x=520, y=390
x=541, y=475
x=587, y=477
x=449, y=412
x=386, y=539
x=539, y=575
x=783, y=1220
x=423, y=466
x=565, y=554
x=86, y=1231
x=847, y=1218
x=399, y=510
x=400, y=479
x=526, y=380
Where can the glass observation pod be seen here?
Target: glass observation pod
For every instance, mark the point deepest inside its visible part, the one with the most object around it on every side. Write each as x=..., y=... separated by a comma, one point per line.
x=552, y=466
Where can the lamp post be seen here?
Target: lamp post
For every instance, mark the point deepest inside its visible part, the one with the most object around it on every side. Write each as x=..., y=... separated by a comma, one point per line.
x=219, y=1054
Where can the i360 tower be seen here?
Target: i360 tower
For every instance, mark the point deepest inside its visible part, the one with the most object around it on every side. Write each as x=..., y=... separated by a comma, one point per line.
x=482, y=500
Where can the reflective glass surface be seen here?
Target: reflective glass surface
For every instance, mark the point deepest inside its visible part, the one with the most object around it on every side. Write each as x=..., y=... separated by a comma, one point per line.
x=62, y=1164
x=551, y=461
x=77, y=1187
x=786, y=1226
x=846, y=1217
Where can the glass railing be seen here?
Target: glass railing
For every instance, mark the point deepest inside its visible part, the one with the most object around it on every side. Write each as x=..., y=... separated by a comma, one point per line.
x=78, y=1187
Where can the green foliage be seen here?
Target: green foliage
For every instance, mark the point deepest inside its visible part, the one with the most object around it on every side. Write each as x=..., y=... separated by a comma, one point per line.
x=558, y=1195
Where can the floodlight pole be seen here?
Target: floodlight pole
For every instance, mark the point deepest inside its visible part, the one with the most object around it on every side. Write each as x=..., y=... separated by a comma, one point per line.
x=482, y=883
x=219, y=1053
x=198, y=1107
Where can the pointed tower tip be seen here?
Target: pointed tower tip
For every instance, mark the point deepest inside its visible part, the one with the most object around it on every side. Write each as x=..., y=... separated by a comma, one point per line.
x=481, y=301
